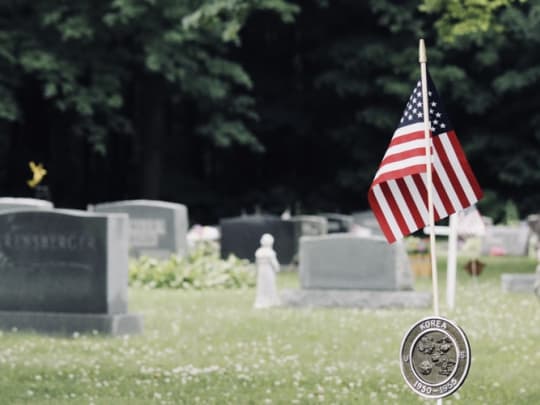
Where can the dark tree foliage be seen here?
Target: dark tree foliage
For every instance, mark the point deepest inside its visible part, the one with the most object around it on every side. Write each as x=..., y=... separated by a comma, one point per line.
x=228, y=105
x=330, y=90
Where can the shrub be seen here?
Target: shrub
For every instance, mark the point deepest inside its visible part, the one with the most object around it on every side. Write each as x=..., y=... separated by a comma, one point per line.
x=202, y=268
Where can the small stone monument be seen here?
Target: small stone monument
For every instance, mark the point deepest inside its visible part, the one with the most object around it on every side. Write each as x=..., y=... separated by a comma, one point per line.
x=525, y=282
x=267, y=267
x=346, y=270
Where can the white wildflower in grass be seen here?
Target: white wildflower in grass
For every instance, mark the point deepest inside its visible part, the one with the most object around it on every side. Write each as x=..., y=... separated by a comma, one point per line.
x=223, y=352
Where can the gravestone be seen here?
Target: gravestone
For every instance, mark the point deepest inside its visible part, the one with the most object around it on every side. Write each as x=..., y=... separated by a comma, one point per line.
x=156, y=228
x=526, y=282
x=338, y=223
x=65, y=271
x=346, y=270
x=470, y=222
x=9, y=203
x=518, y=282
x=240, y=236
x=311, y=225
x=366, y=219
x=506, y=240
x=353, y=262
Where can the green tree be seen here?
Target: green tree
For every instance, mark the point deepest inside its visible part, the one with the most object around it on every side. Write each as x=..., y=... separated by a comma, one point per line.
x=471, y=19
x=497, y=78
x=109, y=67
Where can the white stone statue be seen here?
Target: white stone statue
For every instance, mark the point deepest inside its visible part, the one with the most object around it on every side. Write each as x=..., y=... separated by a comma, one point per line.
x=267, y=267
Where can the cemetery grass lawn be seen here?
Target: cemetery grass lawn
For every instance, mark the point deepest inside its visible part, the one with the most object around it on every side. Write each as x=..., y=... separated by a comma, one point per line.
x=211, y=347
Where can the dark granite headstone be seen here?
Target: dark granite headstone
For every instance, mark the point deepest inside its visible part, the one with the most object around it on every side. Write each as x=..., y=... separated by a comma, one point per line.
x=241, y=236
x=157, y=228
x=9, y=203
x=65, y=270
x=338, y=223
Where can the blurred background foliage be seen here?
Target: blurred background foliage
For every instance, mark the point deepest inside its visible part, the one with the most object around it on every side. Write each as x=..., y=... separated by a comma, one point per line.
x=228, y=105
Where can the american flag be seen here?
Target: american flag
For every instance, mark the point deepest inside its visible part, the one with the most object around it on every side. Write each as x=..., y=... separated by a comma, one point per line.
x=398, y=194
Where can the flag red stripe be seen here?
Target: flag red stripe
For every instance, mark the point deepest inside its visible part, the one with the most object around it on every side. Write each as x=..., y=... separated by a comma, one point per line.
x=421, y=189
x=394, y=208
x=445, y=161
x=413, y=136
x=438, y=187
x=465, y=165
x=421, y=185
x=379, y=215
x=406, y=171
x=417, y=217
x=396, y=157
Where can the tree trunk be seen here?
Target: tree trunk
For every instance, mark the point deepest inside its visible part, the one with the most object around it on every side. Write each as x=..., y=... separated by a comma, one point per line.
x=150, y=128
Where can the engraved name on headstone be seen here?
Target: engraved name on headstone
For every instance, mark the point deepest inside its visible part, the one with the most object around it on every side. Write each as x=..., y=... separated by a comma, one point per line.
x=65, y=270
x=157, y=228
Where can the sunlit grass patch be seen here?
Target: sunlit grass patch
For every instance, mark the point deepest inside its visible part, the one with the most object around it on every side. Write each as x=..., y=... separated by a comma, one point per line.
x=212, y=347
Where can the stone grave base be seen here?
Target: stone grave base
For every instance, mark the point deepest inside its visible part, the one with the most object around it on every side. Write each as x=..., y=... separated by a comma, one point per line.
x=523, y=283
x=319, y=298
x=68, y=323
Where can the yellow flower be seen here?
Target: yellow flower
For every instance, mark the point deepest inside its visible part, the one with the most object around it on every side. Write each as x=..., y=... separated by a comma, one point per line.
x=38, y=172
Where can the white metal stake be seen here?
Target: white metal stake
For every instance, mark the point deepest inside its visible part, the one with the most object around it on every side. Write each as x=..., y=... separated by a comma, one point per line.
x=451, y=267
x=423, y=76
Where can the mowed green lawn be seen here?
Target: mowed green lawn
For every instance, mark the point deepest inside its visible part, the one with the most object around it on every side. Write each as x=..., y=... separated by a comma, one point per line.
x=211, y=347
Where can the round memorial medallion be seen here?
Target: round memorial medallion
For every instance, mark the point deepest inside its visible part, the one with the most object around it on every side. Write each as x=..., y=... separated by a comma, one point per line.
x=435, y=357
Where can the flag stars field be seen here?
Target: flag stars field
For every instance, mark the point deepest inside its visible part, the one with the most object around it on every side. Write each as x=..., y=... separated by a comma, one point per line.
x=398, y=195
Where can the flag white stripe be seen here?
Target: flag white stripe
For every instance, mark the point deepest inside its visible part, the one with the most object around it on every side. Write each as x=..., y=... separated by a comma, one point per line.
x=446, y=183
x=400, y=165
x=454, y=161
x=418, y=127
x=387, y=212
x=437, y=203
x=403, y=147
x=415, y=193
x=403, y=207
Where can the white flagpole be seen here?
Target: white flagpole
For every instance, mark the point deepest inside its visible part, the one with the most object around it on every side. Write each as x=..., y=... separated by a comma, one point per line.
x=427, y=125
x=451, y=269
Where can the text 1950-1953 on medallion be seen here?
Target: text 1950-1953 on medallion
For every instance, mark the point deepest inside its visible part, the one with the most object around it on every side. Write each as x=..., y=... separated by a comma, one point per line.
x=435, y=357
